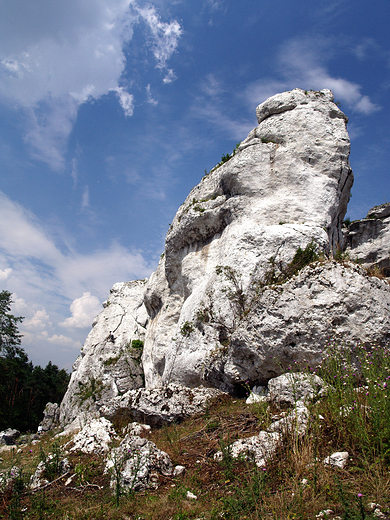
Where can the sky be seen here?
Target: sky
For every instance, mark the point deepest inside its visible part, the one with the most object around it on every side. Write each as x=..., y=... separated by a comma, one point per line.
x=112, y=110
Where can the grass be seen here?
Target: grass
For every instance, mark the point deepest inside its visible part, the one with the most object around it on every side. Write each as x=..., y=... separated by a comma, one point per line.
x=354, y=416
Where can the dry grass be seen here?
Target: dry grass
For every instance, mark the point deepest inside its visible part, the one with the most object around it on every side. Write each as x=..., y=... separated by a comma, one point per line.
x=294, y=485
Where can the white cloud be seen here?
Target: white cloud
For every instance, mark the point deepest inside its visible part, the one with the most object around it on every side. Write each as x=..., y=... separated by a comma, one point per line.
x=39, y=321
x=126, y=100
x=300, y=63
x=164, y=38
x=4, y=275
x=149, y=97
x=84, y=310
x=41, y=275
x=85, y=198
x=54, y=56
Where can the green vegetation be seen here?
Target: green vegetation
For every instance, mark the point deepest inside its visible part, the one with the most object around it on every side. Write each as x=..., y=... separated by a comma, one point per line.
x=225, y=158
x=353, y=416
x=25, y=389
x=90, y=389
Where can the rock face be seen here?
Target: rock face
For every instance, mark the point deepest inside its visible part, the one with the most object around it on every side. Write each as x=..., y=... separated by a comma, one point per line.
x=291, y=323
x=109, y=363
x=368, y=240
x=287, y=186
x=216, y=312
x=158, y=406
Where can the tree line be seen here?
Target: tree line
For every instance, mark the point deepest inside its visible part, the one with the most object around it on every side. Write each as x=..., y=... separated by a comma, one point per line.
x=25, y=389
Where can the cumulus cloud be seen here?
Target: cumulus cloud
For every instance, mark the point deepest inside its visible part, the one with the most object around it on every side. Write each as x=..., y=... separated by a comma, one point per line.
x=54, y=56
x=84, y=310
x=40, y=321
x=42, y=274
x=5, y=274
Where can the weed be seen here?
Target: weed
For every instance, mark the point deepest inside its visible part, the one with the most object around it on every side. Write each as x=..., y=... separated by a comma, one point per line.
x=186, y=329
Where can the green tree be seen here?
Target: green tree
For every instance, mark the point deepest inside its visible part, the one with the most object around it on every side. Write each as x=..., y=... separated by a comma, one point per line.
x=9, y=334
x=24, y=389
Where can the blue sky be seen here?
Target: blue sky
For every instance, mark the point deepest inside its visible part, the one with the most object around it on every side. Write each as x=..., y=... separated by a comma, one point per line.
x=112, y=110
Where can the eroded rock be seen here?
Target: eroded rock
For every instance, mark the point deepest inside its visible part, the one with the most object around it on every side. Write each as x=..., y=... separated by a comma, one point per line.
x=156, y=406
x=258, y=448
x=95, y=437
x=134, y=464
x=288, y=186
x=109, y=363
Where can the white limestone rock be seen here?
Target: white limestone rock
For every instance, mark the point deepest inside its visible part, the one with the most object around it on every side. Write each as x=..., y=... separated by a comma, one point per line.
x=51, y=416
x=107, y=368
x=338, y=459
x=258, y=448
x=95, y=437
x=135, y=463
x=290, y=324
x=156, y=406
x=294, y=389
x=294, y=424
x=368, y=240
x=287, y=186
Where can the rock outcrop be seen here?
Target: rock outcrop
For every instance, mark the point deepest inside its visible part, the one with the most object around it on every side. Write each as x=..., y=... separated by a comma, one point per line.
x=158, y=406
x=368, y=240
x=223, y=309
x=110, y=360
x=287, y=186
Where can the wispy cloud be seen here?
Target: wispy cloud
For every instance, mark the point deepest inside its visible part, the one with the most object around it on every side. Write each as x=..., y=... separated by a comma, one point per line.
x=55, y=57
x=149, y=97
x=301, y=62
x=164, y=39
x=126, y=100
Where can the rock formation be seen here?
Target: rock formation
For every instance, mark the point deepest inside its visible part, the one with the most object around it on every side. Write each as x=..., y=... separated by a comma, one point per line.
x=110, y=360
x=368, y=240
x=224, y=306
x=287, y=186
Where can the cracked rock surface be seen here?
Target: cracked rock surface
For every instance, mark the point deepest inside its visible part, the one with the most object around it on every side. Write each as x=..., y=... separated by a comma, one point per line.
x=108, y=365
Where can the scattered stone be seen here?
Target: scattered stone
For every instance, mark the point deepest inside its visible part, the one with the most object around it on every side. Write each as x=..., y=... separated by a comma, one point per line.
x=95, y=437
x=135, y=428
x=294, y=424
x=136, y=463
x=258, y=448
x=338, y=459
x=36, y=479
x=178, y=470
x=292, y=388
x=191, y=496
x=9, y=436
x=258, y=394
x=324, y=513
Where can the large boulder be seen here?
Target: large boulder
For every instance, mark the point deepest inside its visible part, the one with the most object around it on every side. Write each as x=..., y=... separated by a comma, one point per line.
x=134, y=465
x=110, y=360
x=289, y=325
x=158, y=406
x=288, y=186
